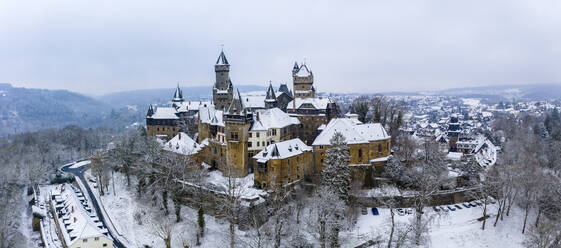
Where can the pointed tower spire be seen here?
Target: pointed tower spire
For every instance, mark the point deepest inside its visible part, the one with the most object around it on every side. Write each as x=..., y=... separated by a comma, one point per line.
x=271, y=92
x=271, y=98
x=150, y=111
x=222, y=59
x=295, y=68
x=178, y=95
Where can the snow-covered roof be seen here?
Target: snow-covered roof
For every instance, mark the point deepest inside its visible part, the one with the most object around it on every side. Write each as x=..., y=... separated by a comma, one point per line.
x=191, y=105
x=354, y=132
x=209, y=115
x=165, y=113
x=455, y=156
x=272, y=118
x=318, y=103
x=486, y=154
x=282, y=150
x=303, y=71
x=182, y=144
x=75, y=221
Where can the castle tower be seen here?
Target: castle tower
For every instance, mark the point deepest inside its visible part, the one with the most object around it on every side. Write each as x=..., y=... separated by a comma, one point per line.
x=453, y=132
x=271, y=98
x=238, y=121
x=222, y=91
x=303, y=82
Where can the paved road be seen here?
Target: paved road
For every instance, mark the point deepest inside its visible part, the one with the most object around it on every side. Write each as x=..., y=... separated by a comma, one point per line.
x=79, y=172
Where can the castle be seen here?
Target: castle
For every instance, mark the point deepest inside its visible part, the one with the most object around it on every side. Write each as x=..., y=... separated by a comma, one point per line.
x=280, y=136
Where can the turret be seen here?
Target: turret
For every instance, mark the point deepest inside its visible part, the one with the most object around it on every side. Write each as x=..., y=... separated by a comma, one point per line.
x=150, y=111
x=271, y=98
x=178, y=95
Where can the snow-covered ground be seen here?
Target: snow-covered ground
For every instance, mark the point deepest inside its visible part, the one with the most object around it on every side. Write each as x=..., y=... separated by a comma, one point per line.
x=80, y=164
x=249, y=191
x=123, y=206
x=458, y=228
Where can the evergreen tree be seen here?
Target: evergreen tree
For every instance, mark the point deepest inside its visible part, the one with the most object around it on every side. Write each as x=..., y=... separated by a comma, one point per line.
x=337, y=175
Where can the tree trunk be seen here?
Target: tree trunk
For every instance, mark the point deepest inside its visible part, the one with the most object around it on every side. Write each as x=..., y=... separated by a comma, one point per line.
x=113, y=179
x=100, y=184
x=503, y=208
x=525, y=217
x=510, y=203
x=418, y=228
x=278, y=232
x=167, y=240
x=498, y=213
x=335, y=238
x=322, y=236
x=484, y=213
x=165, y=201
x=538, y=217
x=393, y=227
x=232, y=229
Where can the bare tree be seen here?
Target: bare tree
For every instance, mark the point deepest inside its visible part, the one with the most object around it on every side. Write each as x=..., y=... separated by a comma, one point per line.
x=162, y=228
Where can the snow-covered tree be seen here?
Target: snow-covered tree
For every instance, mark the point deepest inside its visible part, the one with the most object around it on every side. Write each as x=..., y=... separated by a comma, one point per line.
x=336, y=174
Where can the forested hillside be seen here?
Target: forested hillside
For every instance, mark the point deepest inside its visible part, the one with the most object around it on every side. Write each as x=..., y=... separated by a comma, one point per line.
x=24, y=110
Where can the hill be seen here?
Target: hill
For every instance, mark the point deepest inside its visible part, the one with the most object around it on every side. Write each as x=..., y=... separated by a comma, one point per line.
x=24, y=109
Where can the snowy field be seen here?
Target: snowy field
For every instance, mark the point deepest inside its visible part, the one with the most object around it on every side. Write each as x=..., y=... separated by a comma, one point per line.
x=458, y=228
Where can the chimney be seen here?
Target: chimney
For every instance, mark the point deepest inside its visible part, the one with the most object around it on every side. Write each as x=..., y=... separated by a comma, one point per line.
x=179, y=135
x=75, y=219
x=72, y=209
x=257, y=115
x=294, y=104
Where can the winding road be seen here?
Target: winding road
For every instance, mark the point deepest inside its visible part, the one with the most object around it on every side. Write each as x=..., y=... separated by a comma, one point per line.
x=79, y=173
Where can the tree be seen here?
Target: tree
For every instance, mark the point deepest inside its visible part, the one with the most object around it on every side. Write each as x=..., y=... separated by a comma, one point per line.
x=425, y=177
x=360, y=106
x=230, y=202
x=324, y=220
x=162, y=228
x=336, y=174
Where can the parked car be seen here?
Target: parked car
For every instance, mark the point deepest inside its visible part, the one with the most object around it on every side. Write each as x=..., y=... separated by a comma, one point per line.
x=400, y=211
x=472, y=204
x=364, y=211
x=466, y=205
x=375, y=211
x=491, y=200
x=451, y=208
x=444, y=209
x=436, y=209
x=478, y=202
x=409, y=211
x=457, y=206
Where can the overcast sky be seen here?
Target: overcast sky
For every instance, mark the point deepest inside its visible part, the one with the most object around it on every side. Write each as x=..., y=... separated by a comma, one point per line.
x=351, y=46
